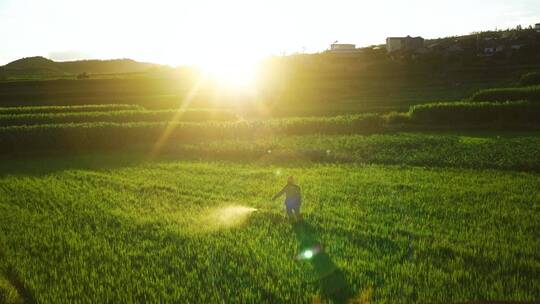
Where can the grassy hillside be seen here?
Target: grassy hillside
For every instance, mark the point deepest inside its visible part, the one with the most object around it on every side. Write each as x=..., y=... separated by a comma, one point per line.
x=292, y=93
x=40, y=66
x=119, y=203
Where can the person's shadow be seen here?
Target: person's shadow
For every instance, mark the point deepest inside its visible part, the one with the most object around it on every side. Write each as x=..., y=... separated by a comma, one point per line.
x=332, y=283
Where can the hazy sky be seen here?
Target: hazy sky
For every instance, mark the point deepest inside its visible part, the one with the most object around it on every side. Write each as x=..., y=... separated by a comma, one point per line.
x=194, y=31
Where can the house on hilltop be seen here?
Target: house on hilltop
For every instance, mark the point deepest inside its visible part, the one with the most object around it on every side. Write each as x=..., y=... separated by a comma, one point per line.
x=404, y=43
x=339, y=47
x=344, y=48
x=344, y=51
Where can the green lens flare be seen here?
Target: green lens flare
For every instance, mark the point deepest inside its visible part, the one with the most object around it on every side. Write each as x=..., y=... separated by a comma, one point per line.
x=308, y=254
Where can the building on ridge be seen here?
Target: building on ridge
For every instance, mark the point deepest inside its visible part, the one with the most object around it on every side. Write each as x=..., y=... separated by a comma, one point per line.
x=404, y=43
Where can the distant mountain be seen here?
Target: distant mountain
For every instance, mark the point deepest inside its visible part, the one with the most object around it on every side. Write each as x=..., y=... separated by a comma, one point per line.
x=40, y=66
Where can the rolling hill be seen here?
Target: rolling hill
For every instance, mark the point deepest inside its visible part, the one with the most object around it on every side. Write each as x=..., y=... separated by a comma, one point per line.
x=42, y=66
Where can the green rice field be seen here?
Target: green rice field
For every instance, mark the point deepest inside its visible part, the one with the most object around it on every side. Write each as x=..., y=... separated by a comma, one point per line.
x=123, y=229
x=119, y=213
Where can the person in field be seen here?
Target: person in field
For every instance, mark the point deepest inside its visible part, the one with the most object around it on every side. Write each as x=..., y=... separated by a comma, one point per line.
x=293, y=199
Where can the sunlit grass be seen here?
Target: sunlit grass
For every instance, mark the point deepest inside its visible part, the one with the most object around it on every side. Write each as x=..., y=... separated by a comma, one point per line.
x=133, y=232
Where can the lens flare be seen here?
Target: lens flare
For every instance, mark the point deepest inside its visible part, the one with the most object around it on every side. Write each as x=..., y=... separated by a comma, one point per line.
x=309, y=253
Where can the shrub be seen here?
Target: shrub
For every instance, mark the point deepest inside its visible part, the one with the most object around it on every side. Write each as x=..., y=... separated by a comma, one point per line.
x=104, y=136
x=521, y=112
x=327, y=125
x=116, y=116
x=397, y=118
x=68, y=109
x=8, y=293
x=508, y=94
x=83, y=75
x=529, y=79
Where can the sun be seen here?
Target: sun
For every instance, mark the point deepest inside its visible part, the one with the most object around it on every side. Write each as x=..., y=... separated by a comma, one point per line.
x=232, y=72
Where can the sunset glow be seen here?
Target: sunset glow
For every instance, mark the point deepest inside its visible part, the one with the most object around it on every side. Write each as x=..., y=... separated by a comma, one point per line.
x=232, y=72
x=207, y=32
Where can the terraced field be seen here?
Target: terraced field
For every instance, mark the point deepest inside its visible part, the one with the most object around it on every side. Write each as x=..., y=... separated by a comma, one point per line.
x=388, y=216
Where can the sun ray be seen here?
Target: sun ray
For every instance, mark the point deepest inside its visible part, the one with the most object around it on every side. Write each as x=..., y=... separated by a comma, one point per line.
x=171, y=124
